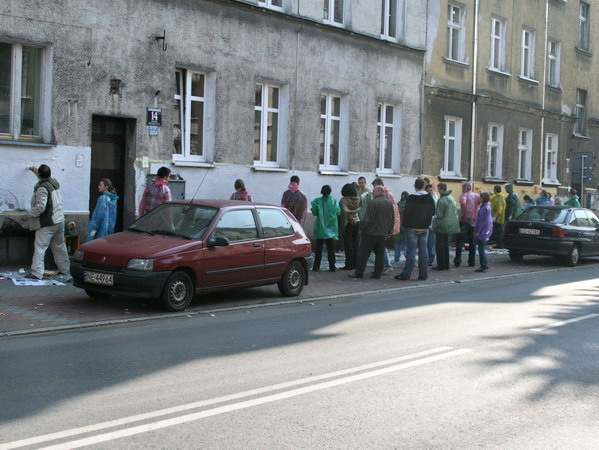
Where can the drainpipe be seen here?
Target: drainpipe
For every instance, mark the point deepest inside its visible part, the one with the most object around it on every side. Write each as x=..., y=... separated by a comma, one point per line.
x=474, y=91
x=543, y=93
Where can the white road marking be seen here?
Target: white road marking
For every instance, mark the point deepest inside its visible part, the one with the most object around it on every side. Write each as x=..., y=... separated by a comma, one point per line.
x=564, y=322
x=372, y=370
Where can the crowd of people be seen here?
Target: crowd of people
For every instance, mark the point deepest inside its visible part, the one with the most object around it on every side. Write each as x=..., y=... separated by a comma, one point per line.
x=421, y=223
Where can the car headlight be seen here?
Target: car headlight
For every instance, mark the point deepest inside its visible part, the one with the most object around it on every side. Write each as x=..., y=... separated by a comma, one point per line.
x=141, y=264
x=78, y=255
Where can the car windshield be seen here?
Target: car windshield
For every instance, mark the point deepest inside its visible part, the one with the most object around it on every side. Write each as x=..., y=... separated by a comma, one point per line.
x=176, y=220
x=544, y=214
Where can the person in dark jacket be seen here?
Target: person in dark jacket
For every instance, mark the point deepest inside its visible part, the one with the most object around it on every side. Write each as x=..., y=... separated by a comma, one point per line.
x=376, y=225
x=419, y=212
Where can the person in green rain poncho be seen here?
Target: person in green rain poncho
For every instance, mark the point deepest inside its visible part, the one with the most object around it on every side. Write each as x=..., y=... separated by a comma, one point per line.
x=512, y=203
x=326, y=211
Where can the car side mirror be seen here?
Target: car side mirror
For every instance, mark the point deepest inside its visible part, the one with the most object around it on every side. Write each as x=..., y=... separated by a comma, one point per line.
x=218, y=242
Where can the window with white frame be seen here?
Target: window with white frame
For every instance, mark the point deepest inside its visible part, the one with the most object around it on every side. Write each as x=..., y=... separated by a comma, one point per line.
x=494, y=150
x=391, y=22
x=267, y=116
x=190, y=116
x=455, y=32
x=524, y=154
x=581, y=112
x=553, y=63
x=333, y=11
x=584, y=25
x=385, y=137
x=527, y=54
x=274, y=4
x=24, y=92
x=551, y=145
x=452, y=143
x=330, y=131
x=498, y=37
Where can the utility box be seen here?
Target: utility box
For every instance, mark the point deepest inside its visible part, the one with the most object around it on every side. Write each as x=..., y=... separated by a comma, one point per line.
x=175, y=183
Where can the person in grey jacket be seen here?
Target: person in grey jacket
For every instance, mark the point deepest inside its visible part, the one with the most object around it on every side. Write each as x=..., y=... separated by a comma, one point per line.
x=376, y=225
x=47, y=219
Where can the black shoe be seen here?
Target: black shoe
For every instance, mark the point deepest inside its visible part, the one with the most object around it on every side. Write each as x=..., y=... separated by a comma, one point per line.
x=457, y=263
x=315, y=269
x=346, y=268
x=332, y=269
x=356, y=275
x=423, y=278
x=481, y=269
x=471, y=265
x=401, y=277
x=438, y=268
x=376, y=277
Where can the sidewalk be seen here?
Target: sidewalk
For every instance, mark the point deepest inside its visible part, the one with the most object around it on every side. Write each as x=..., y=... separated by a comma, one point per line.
x=34, y=309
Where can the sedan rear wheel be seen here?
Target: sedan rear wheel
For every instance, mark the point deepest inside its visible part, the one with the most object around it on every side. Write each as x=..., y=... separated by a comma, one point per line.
x=515, y=256
x=177, y=292
x=293, y=280
x=573, y=257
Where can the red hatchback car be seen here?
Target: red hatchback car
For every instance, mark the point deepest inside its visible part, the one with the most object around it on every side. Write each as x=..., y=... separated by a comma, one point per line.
x=184, y=248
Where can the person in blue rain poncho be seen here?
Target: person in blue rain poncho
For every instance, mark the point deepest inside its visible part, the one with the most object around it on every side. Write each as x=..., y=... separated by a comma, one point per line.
x=104, y=216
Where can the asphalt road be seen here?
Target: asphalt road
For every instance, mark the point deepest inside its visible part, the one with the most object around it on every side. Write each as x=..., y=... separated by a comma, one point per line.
x=499, y=363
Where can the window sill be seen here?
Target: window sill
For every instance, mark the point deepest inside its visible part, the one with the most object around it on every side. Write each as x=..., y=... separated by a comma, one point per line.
x=269, y=169
x=491, y=180
x=332, y=172
x=387, y=175
x=524, y=183
x=499, y=72
x=581, y=136
x=449, y=177
x=527, y=80
x=34, y=144
x=555, y=88
x=193, y=164
x=551, y=183
x=582, y=51
x=455, y=62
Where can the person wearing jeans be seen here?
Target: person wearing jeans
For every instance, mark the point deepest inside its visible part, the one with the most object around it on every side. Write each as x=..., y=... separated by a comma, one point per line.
x=483, y=230
x=469, y=203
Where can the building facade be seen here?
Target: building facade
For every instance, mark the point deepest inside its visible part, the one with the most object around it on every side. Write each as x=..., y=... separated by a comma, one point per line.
x=214, y=89
x=510, y=95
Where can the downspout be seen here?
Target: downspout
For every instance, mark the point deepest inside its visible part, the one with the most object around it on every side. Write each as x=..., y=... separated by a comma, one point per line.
x=422, y=93
x=474, y=91
x=543, y=93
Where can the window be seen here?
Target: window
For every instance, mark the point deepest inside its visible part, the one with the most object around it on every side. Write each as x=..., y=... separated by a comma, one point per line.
x=497, y=44
x=236, y=226
x=24, y=89
x=330, y=131
x=583, y=22
x=333, y=11
x=494, y=150
x=266, y=125
x=191, y=113
x=390, y=23
x=581, y=114
x=524, y=154
x=527, y=54
x=274, y=223
x=452, y=147
x=385, y=141
x=455, y=33
x=550, y=158
x=274, y=4
x=553, y=63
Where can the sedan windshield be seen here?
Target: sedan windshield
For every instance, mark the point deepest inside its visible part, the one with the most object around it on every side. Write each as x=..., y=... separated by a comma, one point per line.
x=544, y=214
x=176, y=220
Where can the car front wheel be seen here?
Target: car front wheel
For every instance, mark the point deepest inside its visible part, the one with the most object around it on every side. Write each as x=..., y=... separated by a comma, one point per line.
x=515, y=256
x=177, y=292
x=293, y=280
x=573, y=257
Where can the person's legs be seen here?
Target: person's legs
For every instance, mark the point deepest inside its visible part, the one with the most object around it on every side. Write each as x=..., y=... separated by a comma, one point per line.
x=500, y=231
x=423, y=255
x=459, y=244
x=379, y=253
x=431, y=246
x=354, y=238
x=59, y=250
x=318, y=254
x=482, y=255
x=331, y=253
x=43, y=236
x=441, y=243
x=363, y=254
x=411, y=242
x=471, y=245
x=388, y=264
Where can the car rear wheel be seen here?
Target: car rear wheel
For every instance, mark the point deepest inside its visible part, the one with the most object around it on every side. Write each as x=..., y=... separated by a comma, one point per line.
x=95, y=294
x=573, y=257
x=177, y=292
x=515, y=256
x=293, y=280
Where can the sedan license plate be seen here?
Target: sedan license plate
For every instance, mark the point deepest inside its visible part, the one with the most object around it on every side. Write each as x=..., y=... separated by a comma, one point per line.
x=530, y=231
x=104, y=279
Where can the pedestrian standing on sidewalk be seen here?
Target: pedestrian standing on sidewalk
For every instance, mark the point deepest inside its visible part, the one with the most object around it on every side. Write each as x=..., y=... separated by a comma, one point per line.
x=528, y=202
x=400, y=238
x=573, y=199
x=104, y=216
x=431, y=242
x=375, y=227
x=498, y=213
x=350, y=220
x=469, y=204
x=46, y=217
x=240, y=192
x=483, y=230
x=419, y=212
x=365, y=196
x=542, y=199
x=295, y=201
x=512, y=203
x=396, y=219
x=445, y=224
x=326, y=211
x=156, y=193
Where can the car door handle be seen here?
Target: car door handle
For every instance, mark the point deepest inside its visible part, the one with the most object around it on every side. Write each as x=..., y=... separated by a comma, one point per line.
x=257, y=244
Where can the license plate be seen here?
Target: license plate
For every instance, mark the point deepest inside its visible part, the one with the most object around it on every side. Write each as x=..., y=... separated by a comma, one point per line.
x=104, y=279
x=530, y=231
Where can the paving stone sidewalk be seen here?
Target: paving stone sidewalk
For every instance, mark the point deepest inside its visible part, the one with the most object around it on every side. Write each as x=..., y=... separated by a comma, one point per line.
x=34, y=309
